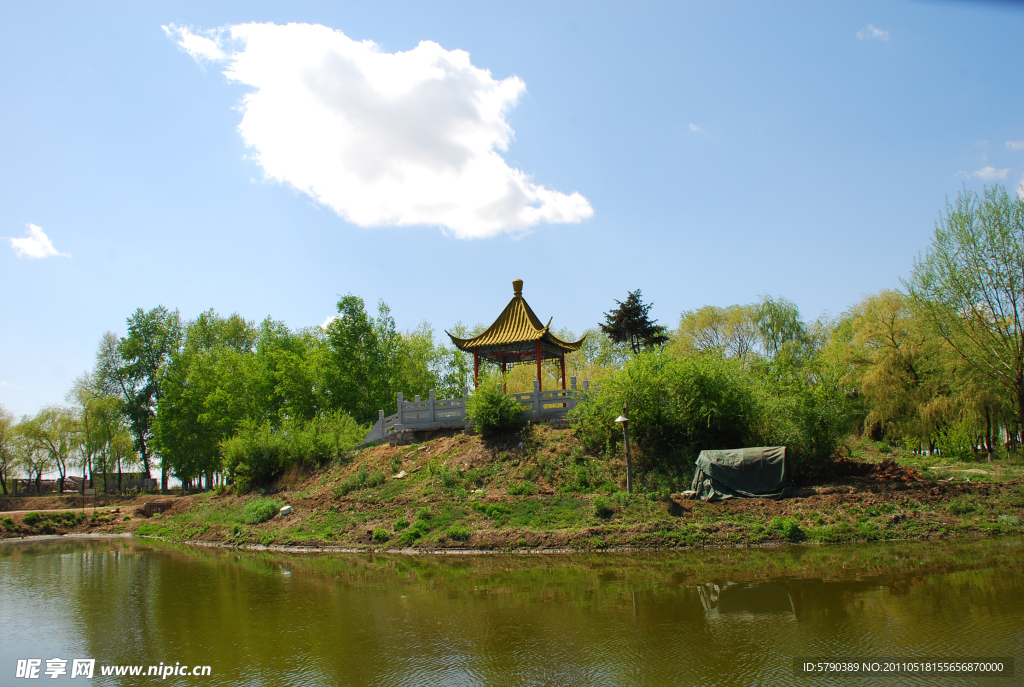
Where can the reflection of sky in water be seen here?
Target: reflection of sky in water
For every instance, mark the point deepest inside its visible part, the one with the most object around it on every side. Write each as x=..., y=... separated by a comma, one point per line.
x=694, y=618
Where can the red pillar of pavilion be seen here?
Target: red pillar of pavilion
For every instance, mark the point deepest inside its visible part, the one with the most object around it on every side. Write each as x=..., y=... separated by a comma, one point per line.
x=476, y=368
x=540, y=384
x=563, y=376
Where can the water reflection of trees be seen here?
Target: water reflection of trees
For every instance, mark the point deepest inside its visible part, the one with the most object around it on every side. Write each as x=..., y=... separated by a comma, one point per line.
x=268, y=618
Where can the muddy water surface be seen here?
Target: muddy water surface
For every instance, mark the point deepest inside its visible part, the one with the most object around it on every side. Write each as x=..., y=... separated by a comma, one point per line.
x=693, y=618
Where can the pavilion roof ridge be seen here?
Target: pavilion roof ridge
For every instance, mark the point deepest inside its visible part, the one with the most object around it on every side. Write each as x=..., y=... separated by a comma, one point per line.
x=516, y=325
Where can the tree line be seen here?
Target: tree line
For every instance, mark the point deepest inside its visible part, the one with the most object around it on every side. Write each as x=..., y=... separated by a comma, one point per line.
x=937, y=365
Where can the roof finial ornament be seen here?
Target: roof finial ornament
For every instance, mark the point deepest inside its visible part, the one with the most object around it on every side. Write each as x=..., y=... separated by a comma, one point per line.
x=517, y=287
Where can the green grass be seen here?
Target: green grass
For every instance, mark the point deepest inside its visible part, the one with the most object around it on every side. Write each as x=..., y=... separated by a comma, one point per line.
x=361, y=479
x=458, y=533
x=259, y=510
x=51, y=522
x=603, y=507
x=522, y=489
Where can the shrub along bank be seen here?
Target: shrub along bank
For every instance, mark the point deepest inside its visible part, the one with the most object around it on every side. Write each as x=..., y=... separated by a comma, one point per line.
x=539, y=489
x=681, y=405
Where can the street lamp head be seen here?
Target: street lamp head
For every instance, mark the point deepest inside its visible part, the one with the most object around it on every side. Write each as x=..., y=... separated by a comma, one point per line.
x=622, y=418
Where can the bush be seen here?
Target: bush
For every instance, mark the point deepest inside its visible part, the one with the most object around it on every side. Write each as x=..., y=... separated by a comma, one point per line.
x=317, y=442
x=491, y=510
x=788, y=529
x=259, y=510
x=584, y=477
x=603, y=508
x=417, y=530
x=361, y=479
x=804, y=407
x=961, y=506
x=457, y=533
x=258, y=454
x=677, y=408
x=255, y=457
x=49, y=521
x=401, y=524
x=448, y=477
x=376, y=479
x=522, y=489
x=680, y=406
x=381, y=535
x=956, y=441
x=493, y=412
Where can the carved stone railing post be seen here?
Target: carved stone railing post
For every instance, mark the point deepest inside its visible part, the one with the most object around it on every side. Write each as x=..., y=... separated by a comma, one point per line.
x=430, y=406
x=536, y=400
x=398, y=421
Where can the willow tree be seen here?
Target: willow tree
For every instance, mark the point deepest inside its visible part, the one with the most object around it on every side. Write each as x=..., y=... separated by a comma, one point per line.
x=913, y=382
x=6, y=446
x=55, y=431
x=970, y=286
x=733, y=331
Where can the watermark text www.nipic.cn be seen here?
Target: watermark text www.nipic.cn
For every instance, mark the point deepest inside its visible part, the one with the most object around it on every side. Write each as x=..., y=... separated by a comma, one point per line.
x=32, y=668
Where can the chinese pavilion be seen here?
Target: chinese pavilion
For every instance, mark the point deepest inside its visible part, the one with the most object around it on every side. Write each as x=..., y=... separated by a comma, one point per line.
x=517, y=336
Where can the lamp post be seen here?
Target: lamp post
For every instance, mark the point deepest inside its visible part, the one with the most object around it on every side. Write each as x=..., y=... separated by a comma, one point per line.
x=629, y=459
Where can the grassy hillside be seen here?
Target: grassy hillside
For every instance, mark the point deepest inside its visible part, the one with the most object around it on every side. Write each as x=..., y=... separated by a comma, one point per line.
x=538, y=490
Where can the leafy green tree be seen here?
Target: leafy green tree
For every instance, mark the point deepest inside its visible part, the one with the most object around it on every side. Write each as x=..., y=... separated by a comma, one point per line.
x=362, y=375
x=100, y=418
x=779, y=324
x=207, y=391
x=970, y=286
x=598, y=352
x=54, y=431
x=631, y=324
x=29, y=454
x=7, y=453
x=452, y=368
x=286, y=372
x=113, y=439
x=733, y=331
x=131, y=367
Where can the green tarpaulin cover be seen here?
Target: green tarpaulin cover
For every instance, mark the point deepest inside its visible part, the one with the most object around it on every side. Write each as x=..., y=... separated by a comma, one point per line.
x=741, y=473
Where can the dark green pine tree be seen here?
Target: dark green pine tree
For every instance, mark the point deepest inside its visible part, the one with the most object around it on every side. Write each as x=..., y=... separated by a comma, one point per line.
x=631, y=325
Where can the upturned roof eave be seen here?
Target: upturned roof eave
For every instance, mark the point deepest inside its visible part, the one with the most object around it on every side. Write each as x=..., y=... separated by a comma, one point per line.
x=517, y=324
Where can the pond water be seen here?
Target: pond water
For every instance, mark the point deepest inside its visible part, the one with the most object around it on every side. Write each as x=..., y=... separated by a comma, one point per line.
x=687, y=618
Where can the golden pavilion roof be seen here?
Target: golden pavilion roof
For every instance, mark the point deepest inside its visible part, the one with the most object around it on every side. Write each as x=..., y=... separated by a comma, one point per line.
x=516, y=326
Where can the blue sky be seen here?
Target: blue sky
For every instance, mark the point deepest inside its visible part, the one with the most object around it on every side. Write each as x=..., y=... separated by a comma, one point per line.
x=706, y=153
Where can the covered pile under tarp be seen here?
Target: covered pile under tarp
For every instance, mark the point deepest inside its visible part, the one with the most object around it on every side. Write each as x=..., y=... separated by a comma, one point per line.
x=740, y=473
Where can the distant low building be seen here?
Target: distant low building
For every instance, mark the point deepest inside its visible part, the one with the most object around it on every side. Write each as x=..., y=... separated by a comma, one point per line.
x=129, y=480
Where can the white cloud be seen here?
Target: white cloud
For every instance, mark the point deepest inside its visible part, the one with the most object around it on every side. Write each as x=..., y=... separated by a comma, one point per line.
x=35, y=244
x=7, y=385
x=990, y=173
x=872, y=32
x=1015, y=145
x=404, y=138
x=325, y=323
x=696, y=129
x=1020, y=188
x=198, y=46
